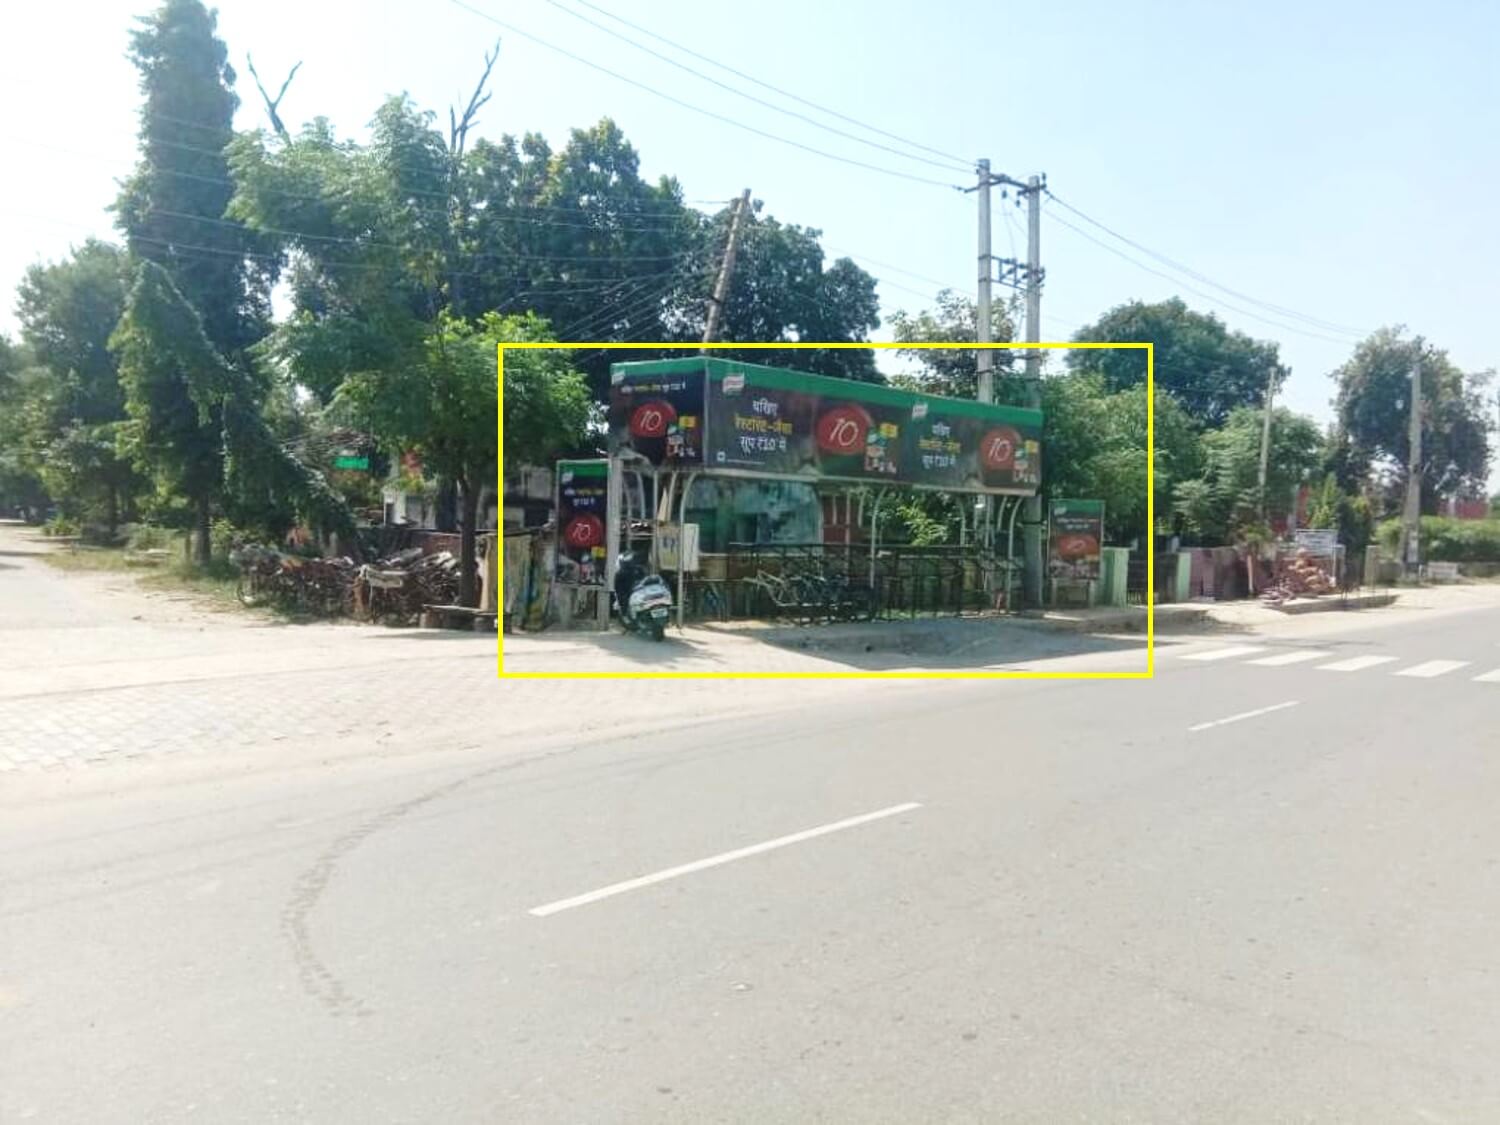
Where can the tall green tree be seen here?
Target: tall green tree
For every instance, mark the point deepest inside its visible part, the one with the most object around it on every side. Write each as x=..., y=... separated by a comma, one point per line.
x=20, y=483
x=1207, y=368
x=1224, y=502
x=175, y=382
x=1094, y=447
x=955, y=373
x=782, y=291
x=196, y=425
x=172, y=209
x=441, y=404
x=68, y=311
x=1374, y=404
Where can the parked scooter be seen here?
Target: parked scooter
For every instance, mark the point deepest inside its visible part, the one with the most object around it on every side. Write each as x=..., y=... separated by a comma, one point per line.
x=643, y=599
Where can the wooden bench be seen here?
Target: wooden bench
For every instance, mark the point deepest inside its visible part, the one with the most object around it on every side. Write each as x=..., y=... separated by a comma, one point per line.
x=458, y=617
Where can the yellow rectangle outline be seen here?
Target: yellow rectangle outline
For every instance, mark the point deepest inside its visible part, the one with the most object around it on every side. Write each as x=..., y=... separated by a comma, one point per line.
x=548, y=345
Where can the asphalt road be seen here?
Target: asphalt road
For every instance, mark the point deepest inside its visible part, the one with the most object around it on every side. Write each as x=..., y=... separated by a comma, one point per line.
x=1244, y=891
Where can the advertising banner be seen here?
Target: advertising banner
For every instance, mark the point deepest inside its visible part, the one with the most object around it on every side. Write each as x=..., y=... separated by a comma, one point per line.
x=658, y=415
x=1076, y=539
x=582, y=492
x=768, y=421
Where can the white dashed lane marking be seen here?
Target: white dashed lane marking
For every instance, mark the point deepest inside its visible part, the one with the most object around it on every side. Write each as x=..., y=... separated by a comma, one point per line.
x=1432, y=668
x=1296, y=657
x=1225, y=653
x=1355, y=663
x=1425, y=670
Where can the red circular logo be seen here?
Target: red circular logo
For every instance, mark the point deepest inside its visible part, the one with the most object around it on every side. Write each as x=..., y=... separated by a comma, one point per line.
x=843, y=430
x=651, y=419
x=1072, y=547
x=584, y=531
x=997, y=449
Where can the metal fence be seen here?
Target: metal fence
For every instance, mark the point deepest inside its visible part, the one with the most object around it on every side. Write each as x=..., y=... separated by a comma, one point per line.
x=813, y=582
x=1135, y=578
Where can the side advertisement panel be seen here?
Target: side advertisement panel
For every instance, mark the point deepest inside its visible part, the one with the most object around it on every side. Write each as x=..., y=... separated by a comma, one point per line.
x=582, y=490
x=658, y=416
x=1076, y=540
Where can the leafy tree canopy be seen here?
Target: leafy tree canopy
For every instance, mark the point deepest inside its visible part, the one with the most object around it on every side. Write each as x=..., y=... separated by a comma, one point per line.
x=1208, y=369
x=1374, y=396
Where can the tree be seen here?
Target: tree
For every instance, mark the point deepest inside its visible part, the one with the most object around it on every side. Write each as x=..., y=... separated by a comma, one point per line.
x=781, y=290
x=174, y=383
x=195, y=421
x=1094, y=447
x=172, y=209
x=20, y=484
x=1374, y=395
x=1199, y=362
x=955, y=373
x=1350, y=515
x=441, y=403
x=68, y=311
x=1225, y=502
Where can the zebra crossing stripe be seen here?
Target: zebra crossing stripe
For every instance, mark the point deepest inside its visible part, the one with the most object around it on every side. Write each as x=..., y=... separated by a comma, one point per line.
x=1296, y=657
x=1432, y=668
x=1489, y=677
x=1355, y=663
x=1225, y=653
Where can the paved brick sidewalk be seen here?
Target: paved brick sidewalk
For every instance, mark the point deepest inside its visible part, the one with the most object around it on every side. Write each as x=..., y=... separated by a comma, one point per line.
x=93, y=671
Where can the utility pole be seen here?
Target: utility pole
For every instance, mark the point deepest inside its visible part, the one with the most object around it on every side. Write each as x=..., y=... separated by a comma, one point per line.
x=1411, y=515
x=984, y=357
x=1031, y=532
x=1027, y=278
x=1265, y=443
x=726, y=270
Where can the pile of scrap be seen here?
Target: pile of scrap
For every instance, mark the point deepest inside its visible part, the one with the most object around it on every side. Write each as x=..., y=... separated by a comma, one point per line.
x=399, y=586
x=307, y=585
x=1300, y=577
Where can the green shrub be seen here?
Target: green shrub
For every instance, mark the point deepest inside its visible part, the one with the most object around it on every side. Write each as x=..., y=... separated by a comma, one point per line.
x=60, y=525
x=1449, y=540
x=149, y=537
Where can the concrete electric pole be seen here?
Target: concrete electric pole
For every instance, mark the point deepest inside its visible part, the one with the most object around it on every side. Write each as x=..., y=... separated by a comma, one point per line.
x=1031, y=532
x=1265, y=444
x=1027, y=278
x=1411, y=514
x=984, y=357
x=726, y=270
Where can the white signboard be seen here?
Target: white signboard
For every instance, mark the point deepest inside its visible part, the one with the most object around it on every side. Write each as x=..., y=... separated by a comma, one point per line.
x=666, y=547
x=1317, y=541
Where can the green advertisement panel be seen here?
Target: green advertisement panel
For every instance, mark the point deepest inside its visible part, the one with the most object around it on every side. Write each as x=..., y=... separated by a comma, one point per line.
x=768, y=421
x=582, y=493
x=1076, y=540
x=658, y=413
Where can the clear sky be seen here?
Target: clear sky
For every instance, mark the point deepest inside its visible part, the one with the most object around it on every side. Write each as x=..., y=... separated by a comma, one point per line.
x=1333, y=157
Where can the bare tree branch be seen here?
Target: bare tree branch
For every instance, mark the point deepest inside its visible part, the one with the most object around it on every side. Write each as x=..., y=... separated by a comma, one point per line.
x=273, y=104
x=458, y=127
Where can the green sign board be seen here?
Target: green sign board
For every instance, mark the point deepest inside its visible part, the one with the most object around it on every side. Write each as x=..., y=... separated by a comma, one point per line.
x=1075, y=540
x=746, y=419
x=351, y=461
x=582, y=493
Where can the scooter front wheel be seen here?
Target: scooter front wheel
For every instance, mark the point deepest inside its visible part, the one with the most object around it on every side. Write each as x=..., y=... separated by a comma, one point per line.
x=658, y=631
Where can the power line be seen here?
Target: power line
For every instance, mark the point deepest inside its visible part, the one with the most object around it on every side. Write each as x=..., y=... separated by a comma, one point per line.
x=505, y=255
x=1280, y=310
x=183, y=249
x=697, y=108
x=945, y=164
x=961, y=160
x=1199, y=292
x=650, y=222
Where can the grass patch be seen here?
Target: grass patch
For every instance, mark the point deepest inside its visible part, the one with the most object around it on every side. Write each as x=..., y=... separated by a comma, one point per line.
x=215, y=584
x=89, y=558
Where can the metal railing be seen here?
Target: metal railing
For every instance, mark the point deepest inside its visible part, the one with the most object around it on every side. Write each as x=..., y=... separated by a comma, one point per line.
x=818, y=582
